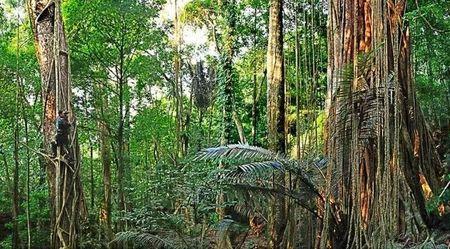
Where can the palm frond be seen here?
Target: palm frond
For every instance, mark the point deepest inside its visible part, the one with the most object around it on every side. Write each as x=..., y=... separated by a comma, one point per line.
x=141, y=240
x=248, y=210
x=224, y=229
x=255, y=168
x=236, y=151
x=320, y=163
x=224, y=225
x=307, y=183
x=302, y=197
x=256, y=190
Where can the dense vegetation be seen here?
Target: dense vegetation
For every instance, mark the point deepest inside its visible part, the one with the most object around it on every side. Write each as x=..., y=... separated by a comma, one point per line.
x=173, y=102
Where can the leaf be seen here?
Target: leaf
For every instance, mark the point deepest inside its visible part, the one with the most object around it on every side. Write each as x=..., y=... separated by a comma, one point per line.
x=141, y=240
x=255, y=168
x=235, y=151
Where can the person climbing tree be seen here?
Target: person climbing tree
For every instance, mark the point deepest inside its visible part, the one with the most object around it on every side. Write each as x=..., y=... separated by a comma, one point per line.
x=62, y=133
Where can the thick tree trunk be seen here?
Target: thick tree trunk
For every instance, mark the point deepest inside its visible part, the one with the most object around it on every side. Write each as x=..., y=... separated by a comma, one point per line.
x=228, y=76
x=380, y=151
x=67, y=203
x=276, y=121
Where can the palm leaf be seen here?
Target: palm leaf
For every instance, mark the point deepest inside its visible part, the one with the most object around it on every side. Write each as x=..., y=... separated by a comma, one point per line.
x=141, y=240
x=236, y=151
x=255, y=168
x=302, y=197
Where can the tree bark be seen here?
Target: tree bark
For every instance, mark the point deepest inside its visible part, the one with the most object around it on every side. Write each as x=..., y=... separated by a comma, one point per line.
x=380, y=151
x=67, y=202
x=276, y=121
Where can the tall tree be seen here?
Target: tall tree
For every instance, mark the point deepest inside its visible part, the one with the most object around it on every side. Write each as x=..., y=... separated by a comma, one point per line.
x=105, y=151
x=380, y=151
x=117, y=48
x=65, y=185
x=227, y=76
x=15, y=194
x=178, y=85
x=276, y=120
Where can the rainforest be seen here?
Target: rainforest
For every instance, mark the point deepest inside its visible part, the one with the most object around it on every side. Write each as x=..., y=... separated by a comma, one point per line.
x=224, y=124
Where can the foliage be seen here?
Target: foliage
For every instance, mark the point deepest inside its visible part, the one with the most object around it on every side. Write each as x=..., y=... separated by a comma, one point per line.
x=171, y=201
x=254, y=175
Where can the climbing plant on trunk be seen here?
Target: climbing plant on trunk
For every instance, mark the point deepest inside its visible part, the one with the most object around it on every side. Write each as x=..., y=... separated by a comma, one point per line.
x=66, y=193
x=382, y=162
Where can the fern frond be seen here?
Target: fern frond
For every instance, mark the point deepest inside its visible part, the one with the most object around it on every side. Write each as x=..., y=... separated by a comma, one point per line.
x=235, y=151
x=141, y=240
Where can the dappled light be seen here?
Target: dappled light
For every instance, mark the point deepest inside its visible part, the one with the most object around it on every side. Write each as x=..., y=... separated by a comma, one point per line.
x=225, y=124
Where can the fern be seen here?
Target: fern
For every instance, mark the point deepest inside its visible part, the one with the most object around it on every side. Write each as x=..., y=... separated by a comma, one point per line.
x=141, y=240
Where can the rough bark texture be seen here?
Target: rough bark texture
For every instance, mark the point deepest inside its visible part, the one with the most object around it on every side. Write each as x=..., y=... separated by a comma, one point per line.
x=67, y=202
x=276, y=122
x=381, y=156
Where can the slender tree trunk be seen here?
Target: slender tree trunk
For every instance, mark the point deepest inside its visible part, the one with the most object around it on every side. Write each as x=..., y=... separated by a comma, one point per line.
x=276, y=121
x=28, y=162
x=178, y=85
x=297, y=86
x=15, y=190
x=380, y=151
x=255, y=85
x=105, y=151
x=239, y=127
x=25, y=120
x=15, y=193
x=67, y=201
x=121, y=154
x=91, y=171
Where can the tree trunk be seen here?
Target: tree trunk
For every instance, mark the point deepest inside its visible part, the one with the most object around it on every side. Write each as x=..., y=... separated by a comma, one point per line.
x=276, y=121
x=66, y=193
x=228, y=76
x=380, y=151
x=178, y=90
x=227, y=82
x=105, y=151
x=15, y=189
x=255, y=84
x=123, y=163
x=239, y=127
x=15, y=193
x=91, y=173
